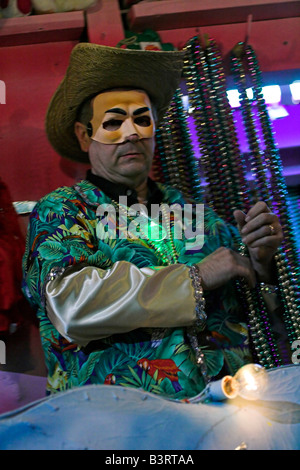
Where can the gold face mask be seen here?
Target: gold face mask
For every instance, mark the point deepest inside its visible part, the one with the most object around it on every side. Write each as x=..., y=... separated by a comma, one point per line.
x=119, y=114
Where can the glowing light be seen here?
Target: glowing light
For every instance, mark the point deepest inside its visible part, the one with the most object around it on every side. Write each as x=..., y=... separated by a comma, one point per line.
x=277, y=111
x=295, y=91
x=249, y=382
x=249, y=93
x=272, y=94
x=233, y=98
x=185, y=102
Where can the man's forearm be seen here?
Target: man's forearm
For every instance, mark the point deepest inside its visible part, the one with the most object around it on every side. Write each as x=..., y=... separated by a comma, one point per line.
x=92, y=303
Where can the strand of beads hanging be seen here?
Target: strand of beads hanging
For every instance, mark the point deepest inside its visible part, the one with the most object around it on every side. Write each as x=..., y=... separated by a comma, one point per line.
x=232, y=174
x=261, y=343
x=187, y=164
x=196, y=83
x=162, y=241
x=258, y=166
x=222, y=144
x=176, y=156
x=261, y=346
x=160, y=162
x=289, y=295
x=166, y=143
x=198, y=80
x=224, y=172
x=264, y=347
x=244, y=61
x=237, y=188
x=287, y=259
x=212, y=138
x=273, y=161
x=294, y=210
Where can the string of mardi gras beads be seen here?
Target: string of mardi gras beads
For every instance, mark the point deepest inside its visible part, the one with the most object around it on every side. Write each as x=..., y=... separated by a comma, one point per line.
x=215, y=128
x=221, y=160
x=167, y=154
x=258, y=315
x=263, y=342
x=176, y=155
x=188, y=167
x=273, y=161
x=203, y=99
x=288, y=254
x=262, y=336
x=234, y=167
x=244, y=57
x=198, y=100
x=287, y=268
x=160, y=165
x=258, y=167
x=294, y=210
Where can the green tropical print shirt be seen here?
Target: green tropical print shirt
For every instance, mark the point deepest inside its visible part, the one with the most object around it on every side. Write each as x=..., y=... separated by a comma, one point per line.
x=63, y=232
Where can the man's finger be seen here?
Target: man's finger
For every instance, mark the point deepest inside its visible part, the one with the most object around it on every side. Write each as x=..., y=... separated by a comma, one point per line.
x=258, y=208
x=239, y=218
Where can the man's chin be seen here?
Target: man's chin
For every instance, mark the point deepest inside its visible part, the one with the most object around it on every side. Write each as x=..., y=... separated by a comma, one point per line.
x=134, y=174
x=133, y=167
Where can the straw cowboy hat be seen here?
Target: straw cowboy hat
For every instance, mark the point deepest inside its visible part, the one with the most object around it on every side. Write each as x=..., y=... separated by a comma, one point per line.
x=93, y=69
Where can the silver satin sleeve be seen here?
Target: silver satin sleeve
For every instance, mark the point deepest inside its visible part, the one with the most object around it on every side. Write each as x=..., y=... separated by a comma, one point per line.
x=91, y=303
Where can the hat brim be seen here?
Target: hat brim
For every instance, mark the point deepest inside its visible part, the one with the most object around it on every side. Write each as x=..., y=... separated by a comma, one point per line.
x=93, y=69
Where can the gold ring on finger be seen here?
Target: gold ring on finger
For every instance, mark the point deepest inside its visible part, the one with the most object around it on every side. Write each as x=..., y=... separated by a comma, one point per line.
x=272, y=230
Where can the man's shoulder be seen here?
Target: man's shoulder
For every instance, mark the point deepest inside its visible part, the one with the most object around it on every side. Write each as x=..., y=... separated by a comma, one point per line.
x=66, y=199
x=68, y=192
x=58, y=193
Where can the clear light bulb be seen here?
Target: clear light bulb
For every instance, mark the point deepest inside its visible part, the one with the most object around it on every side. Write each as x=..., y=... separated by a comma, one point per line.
x=249, y=382
x=252, y=381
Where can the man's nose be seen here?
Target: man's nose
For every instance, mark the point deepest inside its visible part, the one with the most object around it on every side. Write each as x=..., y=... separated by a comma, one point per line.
x=133, y=138
x=129, y=131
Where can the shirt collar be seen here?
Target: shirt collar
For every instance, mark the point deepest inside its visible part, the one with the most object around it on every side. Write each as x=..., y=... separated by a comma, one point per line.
x=114, y=191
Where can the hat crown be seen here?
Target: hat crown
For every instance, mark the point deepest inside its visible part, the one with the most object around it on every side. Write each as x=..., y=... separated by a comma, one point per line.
x=93, y=69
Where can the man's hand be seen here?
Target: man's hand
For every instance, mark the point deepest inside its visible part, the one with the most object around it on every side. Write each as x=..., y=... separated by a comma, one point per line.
x=223, y=265
x=261, y=232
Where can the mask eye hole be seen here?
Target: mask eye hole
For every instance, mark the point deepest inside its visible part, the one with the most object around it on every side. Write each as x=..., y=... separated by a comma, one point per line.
x=143, y=121
x=112, y=124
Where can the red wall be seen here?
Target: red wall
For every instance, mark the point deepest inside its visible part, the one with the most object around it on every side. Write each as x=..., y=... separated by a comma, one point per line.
x=28, y=164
